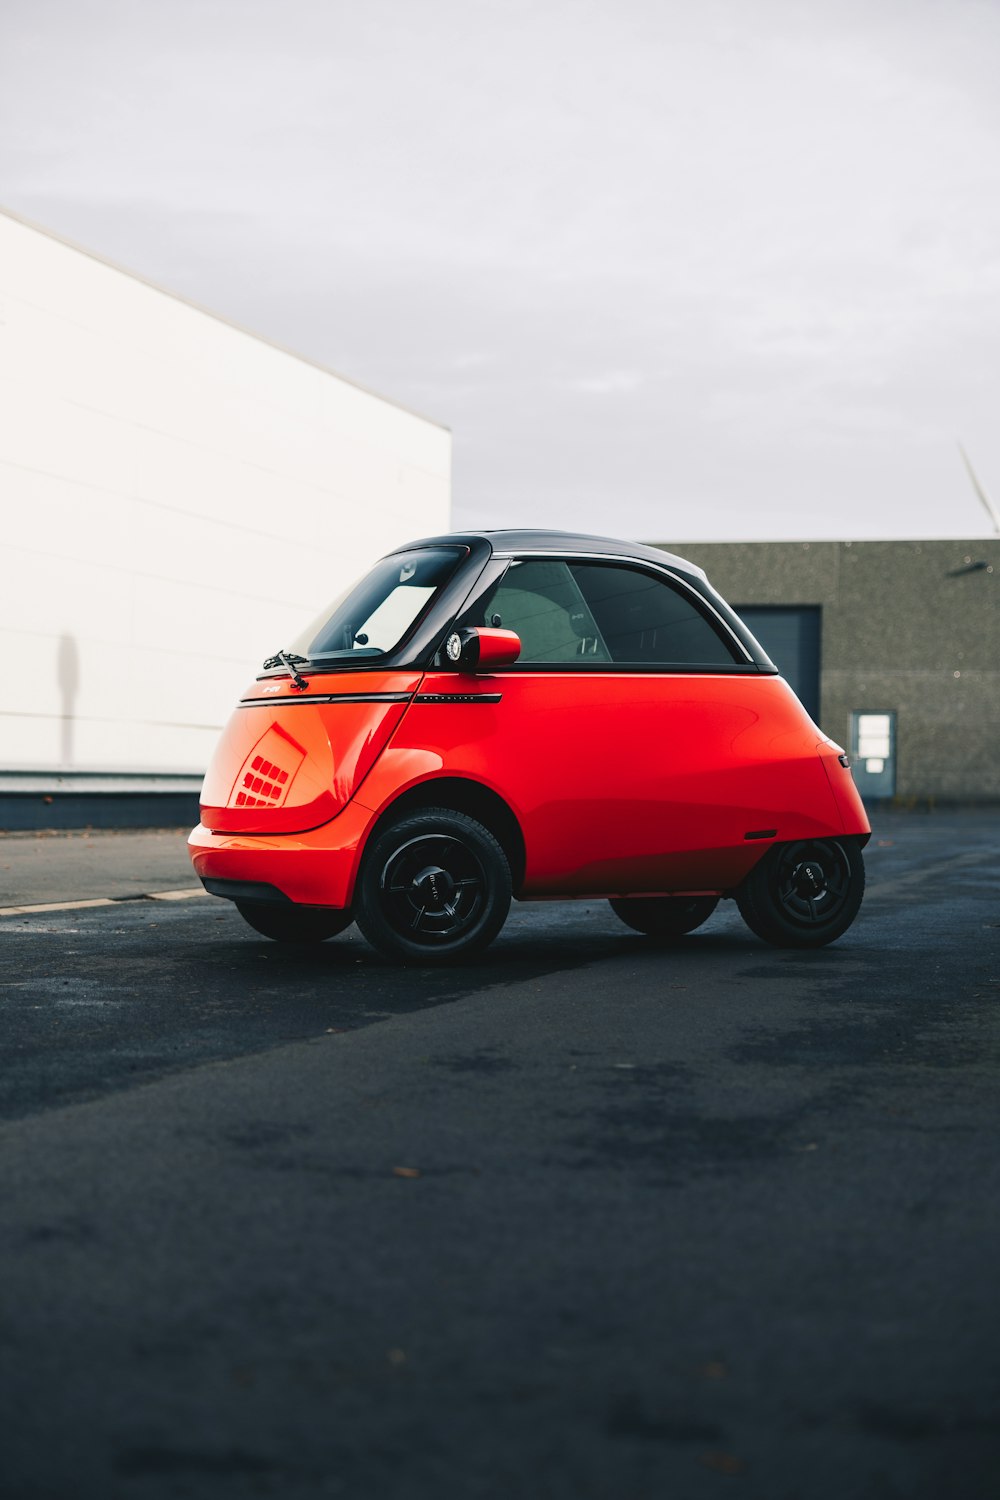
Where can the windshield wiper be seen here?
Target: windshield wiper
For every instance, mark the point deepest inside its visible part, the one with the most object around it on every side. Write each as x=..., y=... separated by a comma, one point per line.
x=288, y=660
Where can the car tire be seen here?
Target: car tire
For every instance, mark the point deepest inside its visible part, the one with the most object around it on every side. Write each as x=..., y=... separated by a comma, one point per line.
x=664, y=916
x=434, y=887
x=804, y=894
x=284, y=922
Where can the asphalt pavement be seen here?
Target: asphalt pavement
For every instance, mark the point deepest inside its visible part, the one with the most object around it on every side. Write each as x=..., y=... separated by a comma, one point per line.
x=591, y=1218
x=62, y=866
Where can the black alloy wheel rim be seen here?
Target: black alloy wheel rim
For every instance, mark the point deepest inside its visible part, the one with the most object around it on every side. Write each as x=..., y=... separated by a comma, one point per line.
x=433, y=889
x=812, y=882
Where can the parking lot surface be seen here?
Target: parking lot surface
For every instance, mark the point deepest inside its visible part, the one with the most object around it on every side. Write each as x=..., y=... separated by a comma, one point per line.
x=590, y=1218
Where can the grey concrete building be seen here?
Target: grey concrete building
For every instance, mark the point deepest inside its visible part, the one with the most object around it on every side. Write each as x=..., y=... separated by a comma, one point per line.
x=894, y=647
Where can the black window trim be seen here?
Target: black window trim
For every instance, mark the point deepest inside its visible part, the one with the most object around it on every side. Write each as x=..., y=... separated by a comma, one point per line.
x=635, y=669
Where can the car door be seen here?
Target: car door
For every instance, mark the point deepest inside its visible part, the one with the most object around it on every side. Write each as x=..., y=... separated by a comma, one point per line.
x=616, y=737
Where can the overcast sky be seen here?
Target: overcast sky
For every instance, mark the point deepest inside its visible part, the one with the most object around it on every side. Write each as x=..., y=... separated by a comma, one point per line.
x=670, y=270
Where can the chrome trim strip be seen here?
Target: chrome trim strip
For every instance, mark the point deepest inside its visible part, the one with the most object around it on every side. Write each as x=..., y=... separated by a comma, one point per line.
x=308, y=698
x=458, y=698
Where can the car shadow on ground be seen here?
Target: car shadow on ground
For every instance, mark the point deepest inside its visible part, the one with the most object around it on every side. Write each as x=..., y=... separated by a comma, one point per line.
x=104, y=1000
x=527, y=950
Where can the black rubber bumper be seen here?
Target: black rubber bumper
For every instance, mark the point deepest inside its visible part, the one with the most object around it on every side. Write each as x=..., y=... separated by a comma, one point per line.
x=245, y=890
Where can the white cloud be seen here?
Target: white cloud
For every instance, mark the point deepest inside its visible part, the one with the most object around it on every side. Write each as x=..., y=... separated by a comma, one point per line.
x=611, y=383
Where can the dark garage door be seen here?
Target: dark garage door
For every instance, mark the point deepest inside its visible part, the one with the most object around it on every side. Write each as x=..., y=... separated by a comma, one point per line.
x=790, y=634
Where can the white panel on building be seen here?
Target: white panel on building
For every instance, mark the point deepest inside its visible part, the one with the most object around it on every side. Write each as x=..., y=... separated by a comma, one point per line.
x=178, y=499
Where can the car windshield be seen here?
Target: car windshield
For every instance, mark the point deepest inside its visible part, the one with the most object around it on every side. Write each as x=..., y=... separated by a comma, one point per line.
x=376, y=614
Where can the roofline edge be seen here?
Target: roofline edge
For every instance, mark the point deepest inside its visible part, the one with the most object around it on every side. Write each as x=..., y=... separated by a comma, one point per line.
x=260, y=338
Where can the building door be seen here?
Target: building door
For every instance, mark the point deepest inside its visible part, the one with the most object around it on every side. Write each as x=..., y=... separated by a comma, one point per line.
x=790, y=634
x=873, y=753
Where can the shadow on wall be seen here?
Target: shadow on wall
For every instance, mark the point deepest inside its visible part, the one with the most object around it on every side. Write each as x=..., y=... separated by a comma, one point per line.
x=68, y=675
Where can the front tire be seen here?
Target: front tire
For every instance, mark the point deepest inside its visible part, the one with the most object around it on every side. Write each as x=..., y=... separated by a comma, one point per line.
x=286, y=923
x=805, y=894
x=434, y=887
x=664, y=916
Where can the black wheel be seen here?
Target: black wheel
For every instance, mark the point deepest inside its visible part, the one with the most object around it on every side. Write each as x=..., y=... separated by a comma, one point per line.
x=805, y=894
x=664, y=916
x=434, y=886
x=286, y=923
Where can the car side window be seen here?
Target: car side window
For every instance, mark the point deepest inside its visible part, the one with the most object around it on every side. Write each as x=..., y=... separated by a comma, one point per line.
x=644, y=621
x=543, y=603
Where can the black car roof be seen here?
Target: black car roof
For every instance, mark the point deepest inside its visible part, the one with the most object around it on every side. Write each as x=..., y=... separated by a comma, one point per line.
x=518, y=540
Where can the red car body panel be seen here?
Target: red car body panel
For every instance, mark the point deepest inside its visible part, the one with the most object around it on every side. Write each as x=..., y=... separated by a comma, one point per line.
x=622, y=783
x=628, y=783
x=316, y=868
x=290, y=759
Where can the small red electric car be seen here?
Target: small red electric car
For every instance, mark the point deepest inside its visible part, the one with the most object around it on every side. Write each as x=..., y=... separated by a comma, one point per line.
x=535, y=714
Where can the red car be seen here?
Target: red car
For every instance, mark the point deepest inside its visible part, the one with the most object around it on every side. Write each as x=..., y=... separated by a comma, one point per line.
x=529, y=714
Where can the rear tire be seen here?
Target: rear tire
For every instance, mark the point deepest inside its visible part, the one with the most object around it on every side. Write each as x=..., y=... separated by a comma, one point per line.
x=287, y=923
x=434, y=887
x=664, y=916
x=805, y=894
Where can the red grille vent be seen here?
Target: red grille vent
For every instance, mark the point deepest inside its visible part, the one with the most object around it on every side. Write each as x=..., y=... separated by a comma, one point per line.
x=268, y=771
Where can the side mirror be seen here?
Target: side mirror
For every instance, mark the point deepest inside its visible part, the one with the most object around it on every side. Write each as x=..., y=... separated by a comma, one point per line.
x=480, y=648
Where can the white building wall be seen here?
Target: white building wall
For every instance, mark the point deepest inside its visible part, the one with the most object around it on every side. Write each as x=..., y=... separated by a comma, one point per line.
x=177, y=499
